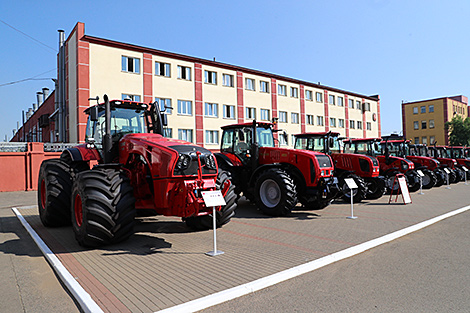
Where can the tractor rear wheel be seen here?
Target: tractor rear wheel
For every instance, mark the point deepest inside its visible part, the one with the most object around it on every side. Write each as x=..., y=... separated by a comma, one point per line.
x=375, y=188
x=452, y=176
x=275, y=192
x=54, y=189
x=103, y=207
x=413, y=180
x=222, y=217
x=429, y=179
x=460, y=174
x=358, y=194
x=440, y=177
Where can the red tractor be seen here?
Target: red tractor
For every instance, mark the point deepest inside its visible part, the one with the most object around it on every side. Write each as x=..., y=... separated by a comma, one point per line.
x=443, y=155
x=275, y=178
x=363, y=169
x=138, y=171
x=397, y=146
x=389, y=165
x=458, y=153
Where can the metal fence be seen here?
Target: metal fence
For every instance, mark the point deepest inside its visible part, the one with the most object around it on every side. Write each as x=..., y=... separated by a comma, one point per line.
x=13, y=146
x=58, y=147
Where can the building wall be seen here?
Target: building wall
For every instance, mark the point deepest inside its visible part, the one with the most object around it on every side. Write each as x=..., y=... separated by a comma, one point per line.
x=101, y=73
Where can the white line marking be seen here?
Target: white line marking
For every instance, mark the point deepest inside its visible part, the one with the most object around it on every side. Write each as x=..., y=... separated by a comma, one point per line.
x=235, y=292
x=87, y=304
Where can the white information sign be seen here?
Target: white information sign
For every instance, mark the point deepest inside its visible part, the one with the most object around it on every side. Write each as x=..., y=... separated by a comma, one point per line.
x=404, y=190
x=420, y=173
x=351, y=183
x=446, y=170
x=465, y=169
x=213, y=198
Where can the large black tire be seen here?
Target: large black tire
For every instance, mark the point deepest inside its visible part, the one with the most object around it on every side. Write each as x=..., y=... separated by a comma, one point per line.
x=275, y=192
x=375, y=188
x=54, y=190
x=77, y=166
x=359, y=193
x=429, y=179
x=440, y=177
x=222, y=217
x=413, y=180
x=103, y=207
x=390, y=182
x=453, y=178
x=460, y=173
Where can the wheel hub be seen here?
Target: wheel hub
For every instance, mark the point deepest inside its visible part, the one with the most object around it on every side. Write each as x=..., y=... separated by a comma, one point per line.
x=78, y=210
x=270, y=193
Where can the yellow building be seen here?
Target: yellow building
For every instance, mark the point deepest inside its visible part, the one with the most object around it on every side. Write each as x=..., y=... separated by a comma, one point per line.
x=423, y=121
x=204, y=94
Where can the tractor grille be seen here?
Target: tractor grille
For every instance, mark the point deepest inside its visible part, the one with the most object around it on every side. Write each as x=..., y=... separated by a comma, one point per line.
x=323, y=160
x=188, y=156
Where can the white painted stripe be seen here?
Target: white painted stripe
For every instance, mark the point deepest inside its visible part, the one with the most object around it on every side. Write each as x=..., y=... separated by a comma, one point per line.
x=87, y=304
x=235, y=292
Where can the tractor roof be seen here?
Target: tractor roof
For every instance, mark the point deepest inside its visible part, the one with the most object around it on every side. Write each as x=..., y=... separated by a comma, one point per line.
x=249, y=124
x=364, y=139
x=125, y=104
x=316, y=134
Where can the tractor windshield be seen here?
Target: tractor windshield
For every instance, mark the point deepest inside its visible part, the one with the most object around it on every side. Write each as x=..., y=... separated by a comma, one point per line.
x=310, y=143
x=123, y=121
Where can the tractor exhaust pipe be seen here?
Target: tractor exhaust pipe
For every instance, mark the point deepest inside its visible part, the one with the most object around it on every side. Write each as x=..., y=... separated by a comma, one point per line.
x=107, y=143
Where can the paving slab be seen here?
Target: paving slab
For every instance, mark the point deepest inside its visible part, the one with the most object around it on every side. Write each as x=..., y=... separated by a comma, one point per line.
x=164, y=263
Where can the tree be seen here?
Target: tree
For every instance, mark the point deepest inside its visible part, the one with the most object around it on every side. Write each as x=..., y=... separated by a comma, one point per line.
x=459, y=131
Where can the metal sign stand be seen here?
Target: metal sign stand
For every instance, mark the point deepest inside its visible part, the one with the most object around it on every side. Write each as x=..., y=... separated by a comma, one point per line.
x=465, y=172
x=402, y=188
x=447, y=173
x=352, y=185
x=421, y=175
x=214, y=199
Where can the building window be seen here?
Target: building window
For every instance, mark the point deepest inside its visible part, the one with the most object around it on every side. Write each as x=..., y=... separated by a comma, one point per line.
x=131, y=65
x=210, y=77
x=250, y=113
x=263, y=86
x=282, y=90
x=340, y=102
x=294, y=117
x=416, y=140
x=184, y=72
x=424, y=140
x=432, y=139
x=229, y=111
x=130, y=97
x=415, y=111
x=369, y=125
x=294, y=92
x=162, y=69
x=185, y=134
x=320, y=120
x=423, y=124
x=162, y=103
x=264, y=115
x=416, y=125
x=359, y=125
x=358, y=105
x=185, y=107
x=332, y=100
x=351, y=103
x=309, y=119
x=341, y=123
x=423, y=109
x=227, y=80
x=319, y=97
x=282, y=141
x=431, y=123
x=332, y=122
x=249, y=84
x=211, y=109
x=282, y=117
x=212, y=137
x=308, y=94
x=167, y=132
x=367, y=108
x=352, y=124
x=431, y=110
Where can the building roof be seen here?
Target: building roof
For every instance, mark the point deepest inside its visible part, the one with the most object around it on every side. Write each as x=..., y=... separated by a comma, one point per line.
x=459, y=98
x=127, y=46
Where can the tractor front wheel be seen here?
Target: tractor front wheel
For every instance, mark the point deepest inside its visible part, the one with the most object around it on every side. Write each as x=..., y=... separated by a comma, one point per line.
x=358, y=194
x=54, y=189
x=103, y=207
x=429, y=179
x=275, y=193
x=375, y=188
x=440, y=177
x=413, y=180
x=222, y=217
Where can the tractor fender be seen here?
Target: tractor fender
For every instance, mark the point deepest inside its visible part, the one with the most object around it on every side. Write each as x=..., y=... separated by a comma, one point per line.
x=391, y=170
x=293, y=171
x=223, y=160
x=342, y=173
x=80, y=153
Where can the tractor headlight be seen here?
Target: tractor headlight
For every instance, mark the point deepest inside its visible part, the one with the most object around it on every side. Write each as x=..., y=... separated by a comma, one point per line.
x=183, y=162
x=210, y=162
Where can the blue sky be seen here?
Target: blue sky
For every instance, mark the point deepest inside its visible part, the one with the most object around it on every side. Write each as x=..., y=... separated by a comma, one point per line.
x=401, y=50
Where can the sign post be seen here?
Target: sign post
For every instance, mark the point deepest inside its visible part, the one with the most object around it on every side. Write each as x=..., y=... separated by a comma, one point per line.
x=466, y=171
x=402, y=187
x=352, y=185
x=421, y=175
x=213, y=199
x=447, y=173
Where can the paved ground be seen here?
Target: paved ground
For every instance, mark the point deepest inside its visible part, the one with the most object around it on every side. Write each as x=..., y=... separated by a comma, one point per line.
x=164, y=263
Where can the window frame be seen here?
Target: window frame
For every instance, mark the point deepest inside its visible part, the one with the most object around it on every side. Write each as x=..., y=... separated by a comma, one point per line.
x=125, y=65
x=252, y=84
x=166, y=69
x=184, y=69
x=210, y=77
x=187, y=103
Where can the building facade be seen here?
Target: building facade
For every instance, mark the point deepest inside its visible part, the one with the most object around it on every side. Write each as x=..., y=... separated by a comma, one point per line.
x=204, y=94
x=423, y=121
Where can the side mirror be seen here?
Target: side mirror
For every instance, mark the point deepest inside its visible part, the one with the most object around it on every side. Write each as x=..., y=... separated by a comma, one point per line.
x=164, y=119
x=241, y=135
x=331, y=142
x=94, y=113
x=376, y=146
x=284, y=134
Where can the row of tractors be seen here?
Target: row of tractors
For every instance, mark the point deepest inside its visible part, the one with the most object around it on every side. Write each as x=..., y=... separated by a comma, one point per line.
x=139, y=172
